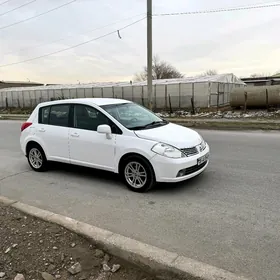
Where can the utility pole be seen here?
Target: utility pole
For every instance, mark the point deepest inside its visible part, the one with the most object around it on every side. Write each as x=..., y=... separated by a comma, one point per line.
x=150, y=54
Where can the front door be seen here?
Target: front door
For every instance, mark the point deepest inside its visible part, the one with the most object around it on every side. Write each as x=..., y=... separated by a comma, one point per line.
x=87, y=146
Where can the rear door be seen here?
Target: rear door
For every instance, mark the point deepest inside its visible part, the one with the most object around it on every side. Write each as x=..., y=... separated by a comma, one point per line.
x=53, y=131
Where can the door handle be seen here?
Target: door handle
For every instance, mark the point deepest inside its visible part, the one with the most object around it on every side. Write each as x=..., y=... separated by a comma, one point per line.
x=75, y=134
x=42, y=130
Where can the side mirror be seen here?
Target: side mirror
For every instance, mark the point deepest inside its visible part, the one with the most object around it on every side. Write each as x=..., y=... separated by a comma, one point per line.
x=105, y=129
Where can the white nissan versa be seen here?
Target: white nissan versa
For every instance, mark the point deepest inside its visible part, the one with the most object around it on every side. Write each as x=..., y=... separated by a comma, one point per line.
x=114, y=135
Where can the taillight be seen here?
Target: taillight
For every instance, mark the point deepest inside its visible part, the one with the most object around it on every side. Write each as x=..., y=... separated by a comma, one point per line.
x=25, y=125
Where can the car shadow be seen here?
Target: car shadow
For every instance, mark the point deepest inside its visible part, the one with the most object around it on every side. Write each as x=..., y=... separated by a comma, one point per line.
x=191, y=185
x=85, y=172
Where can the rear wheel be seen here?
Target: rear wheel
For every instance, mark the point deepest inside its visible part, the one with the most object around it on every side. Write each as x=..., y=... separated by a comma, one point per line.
x=138, y=174
x=36, y=158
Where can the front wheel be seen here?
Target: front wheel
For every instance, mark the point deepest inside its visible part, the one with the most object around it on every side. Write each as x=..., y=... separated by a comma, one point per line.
x=36, y=158
x=138, y=174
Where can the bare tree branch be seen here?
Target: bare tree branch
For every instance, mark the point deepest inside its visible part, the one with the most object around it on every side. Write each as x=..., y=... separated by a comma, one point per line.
x=161, y=70
x=210, y=72
x=259, y=75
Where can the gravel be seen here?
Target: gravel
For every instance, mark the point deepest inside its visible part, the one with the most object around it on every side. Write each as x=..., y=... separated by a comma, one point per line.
x=238, y=114
x=33, y=249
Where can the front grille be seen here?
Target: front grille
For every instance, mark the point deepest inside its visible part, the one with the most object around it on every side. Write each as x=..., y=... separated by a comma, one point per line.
x=190, y=170
x=190, y=151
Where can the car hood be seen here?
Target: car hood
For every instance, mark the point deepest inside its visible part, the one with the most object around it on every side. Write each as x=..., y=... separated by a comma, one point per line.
x=172, y=134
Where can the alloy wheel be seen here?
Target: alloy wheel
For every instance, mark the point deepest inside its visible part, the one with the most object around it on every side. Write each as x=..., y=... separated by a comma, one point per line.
x=135, y=174
x=35, y=158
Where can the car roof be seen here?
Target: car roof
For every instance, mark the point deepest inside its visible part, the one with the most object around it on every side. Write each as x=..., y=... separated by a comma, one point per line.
x=87, y=101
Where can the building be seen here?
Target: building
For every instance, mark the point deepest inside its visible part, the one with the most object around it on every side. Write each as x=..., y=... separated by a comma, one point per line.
x=262, y=81
x=9, y=84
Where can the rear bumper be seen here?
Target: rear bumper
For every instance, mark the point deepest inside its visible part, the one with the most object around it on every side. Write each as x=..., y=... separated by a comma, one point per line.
x=166, y=169
x=22, y=146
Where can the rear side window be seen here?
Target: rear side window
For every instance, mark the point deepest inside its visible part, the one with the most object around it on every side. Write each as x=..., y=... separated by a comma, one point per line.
x=59, y=115
x=44, y=115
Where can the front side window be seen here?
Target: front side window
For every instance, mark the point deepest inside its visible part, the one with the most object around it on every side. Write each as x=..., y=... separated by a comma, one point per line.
x=89, y=118
x=134, y=116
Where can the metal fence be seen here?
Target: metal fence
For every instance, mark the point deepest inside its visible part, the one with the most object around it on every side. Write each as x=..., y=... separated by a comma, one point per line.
x=165, y=97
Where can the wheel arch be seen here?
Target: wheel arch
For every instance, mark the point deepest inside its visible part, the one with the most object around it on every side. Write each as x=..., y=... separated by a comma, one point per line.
x=133, y=154
x=33, y=143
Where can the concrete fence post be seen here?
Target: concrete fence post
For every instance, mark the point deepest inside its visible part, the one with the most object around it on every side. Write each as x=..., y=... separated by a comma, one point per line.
x=23, y=100
x=245, y=101
x=155, y=98
x=192, y=99
x=170, y=105
x=179, y=95
x=218, y=97
x=165, y=97
x=142, y=96
x=132, y=93
x=266, y=99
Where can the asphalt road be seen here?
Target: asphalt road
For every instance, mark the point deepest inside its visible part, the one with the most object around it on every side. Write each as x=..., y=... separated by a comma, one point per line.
x=228, y=217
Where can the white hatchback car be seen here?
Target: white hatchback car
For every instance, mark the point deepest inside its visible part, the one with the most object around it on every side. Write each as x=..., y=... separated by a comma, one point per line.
x=114, y=135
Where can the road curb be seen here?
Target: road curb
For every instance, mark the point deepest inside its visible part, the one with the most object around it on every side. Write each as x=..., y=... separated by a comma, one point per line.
x=159, y=262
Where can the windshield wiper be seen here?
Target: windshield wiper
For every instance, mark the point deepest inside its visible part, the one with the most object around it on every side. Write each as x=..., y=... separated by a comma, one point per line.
x=154, y=123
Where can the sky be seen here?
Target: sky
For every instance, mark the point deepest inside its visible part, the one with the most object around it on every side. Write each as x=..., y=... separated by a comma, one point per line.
x=239, y=42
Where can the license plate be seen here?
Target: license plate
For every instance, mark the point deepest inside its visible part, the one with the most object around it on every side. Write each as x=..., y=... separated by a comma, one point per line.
x=202, y=159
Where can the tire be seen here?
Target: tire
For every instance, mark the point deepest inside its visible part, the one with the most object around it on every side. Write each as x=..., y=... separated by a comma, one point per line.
x=37, y=158
x=143, y=183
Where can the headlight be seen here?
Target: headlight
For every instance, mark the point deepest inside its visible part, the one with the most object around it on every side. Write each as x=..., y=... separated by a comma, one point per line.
x=203, y=144
x=167, y=151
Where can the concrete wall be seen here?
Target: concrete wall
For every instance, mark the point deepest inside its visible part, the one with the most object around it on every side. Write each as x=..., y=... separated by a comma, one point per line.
x=177, y=95
x=256, y=96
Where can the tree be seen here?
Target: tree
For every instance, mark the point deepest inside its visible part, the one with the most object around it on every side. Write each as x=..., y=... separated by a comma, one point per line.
x=259, y=75
x=210, y=72
x=256, y=75
x=161, y=70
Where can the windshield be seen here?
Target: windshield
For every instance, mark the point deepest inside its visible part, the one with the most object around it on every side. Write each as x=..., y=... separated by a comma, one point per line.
x=133, y=116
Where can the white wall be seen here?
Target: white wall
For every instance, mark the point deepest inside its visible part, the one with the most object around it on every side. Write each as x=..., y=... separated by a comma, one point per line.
x=178, y=94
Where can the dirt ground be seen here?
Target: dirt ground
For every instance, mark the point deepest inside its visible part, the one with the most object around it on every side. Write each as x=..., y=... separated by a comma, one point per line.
x=33, y=249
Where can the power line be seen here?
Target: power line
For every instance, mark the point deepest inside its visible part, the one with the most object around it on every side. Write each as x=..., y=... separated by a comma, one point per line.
x=28, y=3
x=71, y=36
x=5, y=2
x=75, y=46
x=44, y=13
x=221, y=10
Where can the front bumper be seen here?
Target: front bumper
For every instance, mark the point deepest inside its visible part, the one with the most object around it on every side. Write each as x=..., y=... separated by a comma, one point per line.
x=167, y=169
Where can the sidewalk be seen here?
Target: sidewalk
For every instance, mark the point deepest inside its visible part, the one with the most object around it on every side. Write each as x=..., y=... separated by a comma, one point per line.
x=13, y=117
